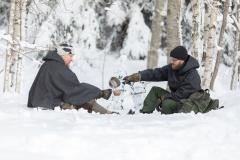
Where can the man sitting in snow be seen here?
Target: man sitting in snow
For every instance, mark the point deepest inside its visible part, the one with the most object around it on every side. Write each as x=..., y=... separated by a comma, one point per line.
x=183, y=80
x=56, y=85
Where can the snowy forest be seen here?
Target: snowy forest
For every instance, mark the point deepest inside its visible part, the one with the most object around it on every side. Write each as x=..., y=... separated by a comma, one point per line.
x=118, y=38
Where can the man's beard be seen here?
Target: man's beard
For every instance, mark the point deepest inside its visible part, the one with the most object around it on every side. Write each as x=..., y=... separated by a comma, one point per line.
x=177, y=67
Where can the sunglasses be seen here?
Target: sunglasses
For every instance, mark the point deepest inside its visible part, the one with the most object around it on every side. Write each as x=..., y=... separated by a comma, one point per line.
x=67, y=50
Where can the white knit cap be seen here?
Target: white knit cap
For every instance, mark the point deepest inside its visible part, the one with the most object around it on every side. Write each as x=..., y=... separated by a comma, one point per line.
x=64, y=48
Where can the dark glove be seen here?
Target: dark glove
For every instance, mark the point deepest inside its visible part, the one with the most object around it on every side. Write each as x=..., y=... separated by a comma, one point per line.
x=136, y=77
x=105, y=93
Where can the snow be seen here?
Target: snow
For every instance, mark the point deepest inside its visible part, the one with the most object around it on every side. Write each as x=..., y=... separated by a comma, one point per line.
x=40, y=134
x=69, y=134
x=31, y=134
x=138, y=38
x=116, y=14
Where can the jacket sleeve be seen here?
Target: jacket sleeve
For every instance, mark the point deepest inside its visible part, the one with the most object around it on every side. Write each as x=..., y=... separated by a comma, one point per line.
x=73, y=91
x=191, y=84
x=158, y=74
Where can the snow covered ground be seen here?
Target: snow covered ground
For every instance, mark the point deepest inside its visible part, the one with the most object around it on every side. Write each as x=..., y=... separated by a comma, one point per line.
x=31, y=134
x=61, y=135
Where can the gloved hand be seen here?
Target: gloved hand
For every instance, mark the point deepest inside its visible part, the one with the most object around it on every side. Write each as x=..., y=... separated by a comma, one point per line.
x=132, y=78
x=105, y=93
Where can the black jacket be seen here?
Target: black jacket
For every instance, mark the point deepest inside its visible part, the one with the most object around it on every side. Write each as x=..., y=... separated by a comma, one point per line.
x=182, y=83
x=56, y=83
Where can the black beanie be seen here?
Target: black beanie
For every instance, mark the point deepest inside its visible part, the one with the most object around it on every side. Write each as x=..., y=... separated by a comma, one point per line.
x=180, y=53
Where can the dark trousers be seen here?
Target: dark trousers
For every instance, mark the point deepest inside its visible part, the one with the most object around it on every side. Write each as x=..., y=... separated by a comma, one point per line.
x=155, y=100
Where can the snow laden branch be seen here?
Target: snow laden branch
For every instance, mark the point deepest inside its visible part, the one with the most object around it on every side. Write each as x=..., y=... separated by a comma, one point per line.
x=213, y=6
x=24, y=47
x=236, y=22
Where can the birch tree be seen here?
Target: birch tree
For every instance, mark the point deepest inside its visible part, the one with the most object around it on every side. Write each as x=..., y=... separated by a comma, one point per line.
x=235, y=74
x=173, y=25
x=211, y=45
x=196, y=28
x=152, y=61
x=239, y=55
x=220, y=43
x=13, y=64
x=205, y=33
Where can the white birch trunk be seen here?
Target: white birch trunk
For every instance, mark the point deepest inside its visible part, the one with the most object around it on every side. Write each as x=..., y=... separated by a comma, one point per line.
x=220, y=43
x=239, y=58
x=239, y=44
x=7, y=80
x=22, y=18
x=173, y=25
x=211, y=46
x=196, y=28
x=152, y=61
x=205, y=38
x=235, y=74
x=202, y=11
x=13, y=68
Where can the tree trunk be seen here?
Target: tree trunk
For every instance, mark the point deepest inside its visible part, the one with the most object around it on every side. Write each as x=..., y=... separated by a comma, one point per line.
x=7, y=80
x=196, y=28
x=152, y=61
x=238, y=43
x=13, y=66
x=235, y=74
x=220, y=43
x=211, y=46
x=239, y=55
x=205, y=35
x=173, y=25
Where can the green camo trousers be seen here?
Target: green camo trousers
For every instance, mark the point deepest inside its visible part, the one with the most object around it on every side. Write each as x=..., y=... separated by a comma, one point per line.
x=153, y=101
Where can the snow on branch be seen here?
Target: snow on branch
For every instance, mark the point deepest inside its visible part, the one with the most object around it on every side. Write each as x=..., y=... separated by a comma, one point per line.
x=214, y=5
x=219, y=48
x=7, y=38
x=236, y=22
x=23, y=46
x=24, y=55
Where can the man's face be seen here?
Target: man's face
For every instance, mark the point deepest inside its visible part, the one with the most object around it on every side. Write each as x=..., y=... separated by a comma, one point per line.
x=67, y=58
x=176, y=63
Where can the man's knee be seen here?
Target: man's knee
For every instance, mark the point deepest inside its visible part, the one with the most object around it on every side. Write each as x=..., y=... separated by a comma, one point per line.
x=169, y=106
x=156, y=89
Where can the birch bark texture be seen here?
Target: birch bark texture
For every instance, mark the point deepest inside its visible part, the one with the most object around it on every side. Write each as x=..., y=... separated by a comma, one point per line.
x=235, y=73
x=152, y=61
x=173, y=25
x=196, y=32
x=211, y=44
x=13, y=64
x=220, y=43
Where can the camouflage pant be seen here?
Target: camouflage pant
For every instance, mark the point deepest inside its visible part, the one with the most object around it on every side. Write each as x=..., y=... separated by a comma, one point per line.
x=155, y=100
x=90, y=106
